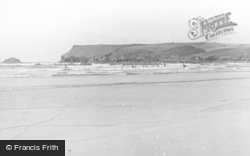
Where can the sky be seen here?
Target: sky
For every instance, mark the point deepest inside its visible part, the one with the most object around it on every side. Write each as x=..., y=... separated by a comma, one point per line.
x=43, y=30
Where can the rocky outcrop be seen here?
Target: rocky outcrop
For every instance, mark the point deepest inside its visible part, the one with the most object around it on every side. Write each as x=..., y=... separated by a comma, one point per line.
x=166, y=52
x=12, y=60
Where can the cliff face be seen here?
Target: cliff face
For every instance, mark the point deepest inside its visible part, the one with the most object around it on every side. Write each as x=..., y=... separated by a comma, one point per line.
x=12, y=60
x=173, y=52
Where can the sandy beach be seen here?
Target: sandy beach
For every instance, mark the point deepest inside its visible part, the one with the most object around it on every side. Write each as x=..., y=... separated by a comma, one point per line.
x=124, y=78
x=189, y=114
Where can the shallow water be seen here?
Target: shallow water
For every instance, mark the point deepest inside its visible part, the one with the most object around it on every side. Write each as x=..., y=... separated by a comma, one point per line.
x=58, y=69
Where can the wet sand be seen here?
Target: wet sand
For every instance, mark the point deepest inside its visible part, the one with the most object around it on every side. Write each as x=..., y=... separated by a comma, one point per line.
x=189, y=114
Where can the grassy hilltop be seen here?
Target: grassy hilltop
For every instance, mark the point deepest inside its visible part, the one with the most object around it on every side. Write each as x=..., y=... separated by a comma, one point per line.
x=165, y=52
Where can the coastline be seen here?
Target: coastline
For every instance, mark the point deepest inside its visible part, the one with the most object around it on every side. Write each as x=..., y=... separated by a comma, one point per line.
x=76, y=69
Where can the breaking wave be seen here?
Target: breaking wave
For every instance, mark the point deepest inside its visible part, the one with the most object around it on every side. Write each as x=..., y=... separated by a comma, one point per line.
x=60, y=69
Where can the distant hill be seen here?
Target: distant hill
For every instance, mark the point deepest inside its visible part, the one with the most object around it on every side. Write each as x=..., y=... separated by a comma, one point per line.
x=165, y=52
x=12, y=60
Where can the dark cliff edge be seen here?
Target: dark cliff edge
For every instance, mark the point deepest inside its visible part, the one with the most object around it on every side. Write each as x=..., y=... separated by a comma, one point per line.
x=165, y=52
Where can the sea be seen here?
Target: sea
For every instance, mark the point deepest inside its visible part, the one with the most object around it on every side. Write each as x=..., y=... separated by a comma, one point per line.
x=51, y=69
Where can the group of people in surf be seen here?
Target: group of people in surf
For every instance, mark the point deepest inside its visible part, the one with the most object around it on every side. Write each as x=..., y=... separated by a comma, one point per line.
x=184, y=66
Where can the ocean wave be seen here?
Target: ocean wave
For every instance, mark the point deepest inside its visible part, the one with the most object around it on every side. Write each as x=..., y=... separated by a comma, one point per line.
x=53, y=69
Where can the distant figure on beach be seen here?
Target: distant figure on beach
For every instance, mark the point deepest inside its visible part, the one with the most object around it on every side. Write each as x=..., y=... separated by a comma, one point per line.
x=133, y=66
x=184, y=66
x=66, y=67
